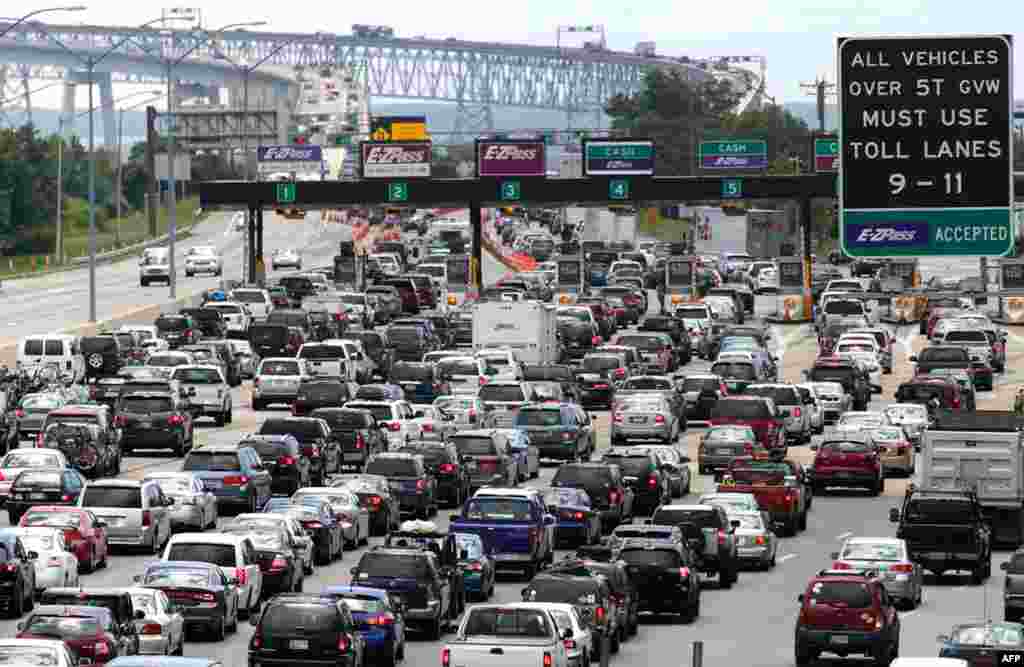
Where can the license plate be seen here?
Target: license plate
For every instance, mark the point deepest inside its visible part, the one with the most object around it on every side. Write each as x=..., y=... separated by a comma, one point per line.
x=299, y=644
x=38, y=496
x=725, y=452
x=212, y=483
x=353, y=456
x=840, y=639
x=471, y=465
x=145, y=424
x=637, y=420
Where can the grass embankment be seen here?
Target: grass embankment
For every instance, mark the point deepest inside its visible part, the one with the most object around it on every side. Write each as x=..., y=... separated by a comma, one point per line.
x=114, y=233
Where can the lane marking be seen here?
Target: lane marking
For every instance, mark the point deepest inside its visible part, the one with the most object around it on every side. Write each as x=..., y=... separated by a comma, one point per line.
x=843, y=536
x=783, y=559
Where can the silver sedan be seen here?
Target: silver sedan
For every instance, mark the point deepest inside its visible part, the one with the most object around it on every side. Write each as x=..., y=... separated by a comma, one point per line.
x=756, y=544
x=194, y=507
x=355, y=519
x=903, y=579
x=162, y=630
x=679, y=470
x=644, y=417
x=468, y=411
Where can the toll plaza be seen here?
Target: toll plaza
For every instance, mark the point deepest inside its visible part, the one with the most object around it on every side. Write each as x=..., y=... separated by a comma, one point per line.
x=790, y=306
x=569, y=279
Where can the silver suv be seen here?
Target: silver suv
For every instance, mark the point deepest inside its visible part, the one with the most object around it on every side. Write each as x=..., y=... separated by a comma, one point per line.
x=278, y=380
x=137, y=513
x=155, y=266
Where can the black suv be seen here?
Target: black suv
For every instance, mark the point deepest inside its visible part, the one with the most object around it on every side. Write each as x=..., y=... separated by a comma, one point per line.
x=416, y=578
x=297, y=630
x=155, y=421
x=846, y=372
x=407, y=473
x=665, y=575
x=103, y=357
x=592, y=598
x=357, y=432
x=710, y=535
x=641, y=469
x=315, y=439
x=609, y=493
x=442, y=460
x=320, y=393
x=624, y=593
x=17, y=573
x=282, y=456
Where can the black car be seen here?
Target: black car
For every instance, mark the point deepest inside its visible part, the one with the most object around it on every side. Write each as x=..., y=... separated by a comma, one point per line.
x=223, y=351
x=320, y=393
x=43, y=486
x=624, y=595
x=272, y=340
x=409, y=342
x=578, y=336
x=154, y=420
x=665, y=576
x=17, y=573
x=377, y=348
x=289, y=467
x=421, y=382
x=297, y=630
x=641, y=470
x=444, y=464
x=407, y=474
x=605, y=484
x=596, y=390
x=210, y=322
x=357, y=433
x=315, y=439
x=591, y=596
x=282, y=571
x=414, y=576
x=177, y=330
x=102, y=355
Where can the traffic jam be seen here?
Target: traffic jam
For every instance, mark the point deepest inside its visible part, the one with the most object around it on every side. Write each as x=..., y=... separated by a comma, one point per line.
x=617, y=430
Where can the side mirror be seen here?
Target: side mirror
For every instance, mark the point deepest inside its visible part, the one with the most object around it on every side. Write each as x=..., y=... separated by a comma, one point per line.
x=734, y=523
x=814, y=447
x=1004, y=566
x=463, y=554
x=894, y=515
x=353, y=571
x=21, y=626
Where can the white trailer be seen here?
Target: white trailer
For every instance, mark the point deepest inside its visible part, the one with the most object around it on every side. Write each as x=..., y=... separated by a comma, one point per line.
x=528, y=328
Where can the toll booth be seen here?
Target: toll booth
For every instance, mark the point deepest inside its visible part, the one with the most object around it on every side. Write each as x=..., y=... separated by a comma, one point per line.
x=680, y=282
x=901, y=278
x=457, y=271
x=568, y=279
x=1011, y=288
x=789, y=302
x=348, y=267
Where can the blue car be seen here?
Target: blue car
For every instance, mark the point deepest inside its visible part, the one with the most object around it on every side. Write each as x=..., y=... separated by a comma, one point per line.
x=378, y=619
x=476, y=565
x=578, y=521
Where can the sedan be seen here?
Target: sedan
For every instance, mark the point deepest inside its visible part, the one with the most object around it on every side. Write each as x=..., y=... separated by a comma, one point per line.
x=467, y=411
x=903, y=578
x=19, y=460
x=282, y=571
x=756, y=544
x=578, y=521
x=375, y=495
x=646, y=417
x=677, y=467
x=319, y=520
x=85, y=535
x=203, y=259
x=286, y=257
x=55, y=566
x=302, y=542
x=43, y=486
x=194, y=506
x=355, y=519
x=161, y=631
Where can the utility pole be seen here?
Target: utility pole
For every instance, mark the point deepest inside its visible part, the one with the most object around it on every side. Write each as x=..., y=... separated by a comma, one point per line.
x=822, y=89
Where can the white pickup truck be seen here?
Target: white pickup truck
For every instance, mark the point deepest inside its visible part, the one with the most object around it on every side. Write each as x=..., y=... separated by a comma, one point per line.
x=519, y=634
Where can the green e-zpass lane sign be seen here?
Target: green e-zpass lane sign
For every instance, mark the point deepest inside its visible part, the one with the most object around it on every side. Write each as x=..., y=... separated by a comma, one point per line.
x=926, y=146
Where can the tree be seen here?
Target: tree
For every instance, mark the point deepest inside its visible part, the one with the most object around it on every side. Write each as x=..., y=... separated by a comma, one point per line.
x=789, y=139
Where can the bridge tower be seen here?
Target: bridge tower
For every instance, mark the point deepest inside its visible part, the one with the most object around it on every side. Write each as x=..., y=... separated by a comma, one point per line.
x=105, y=105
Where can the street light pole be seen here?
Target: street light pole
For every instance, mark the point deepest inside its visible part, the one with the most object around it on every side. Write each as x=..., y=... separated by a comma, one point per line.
x=17, y=22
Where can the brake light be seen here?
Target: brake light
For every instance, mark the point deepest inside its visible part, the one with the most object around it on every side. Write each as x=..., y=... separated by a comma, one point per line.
x=482, y=380
x=759, y=540
x=241, y=574
x=120, y=420
x=601, y=386
x=617, y=418
x=147, y=518
x=375, y=500
x=447, y=468
x=652, y=481
x=446, y=657
x=10, y=567
x=314, y=525
x=840, y=565
x=472, y=415
x=151, y=629
x=569, y=644
x=620, y=372
x=596, y=340
x=101, y=649
x=797, y=412
x=547, y=660
x=343, y=644
x=659, y=419
x=278, y=565
x=721, y=536
x=684, y=573
x=871, y=620
x=475, y=567
x=600, y=614
x=386, y=619
x=286, y=461
x=421, y=484
x=956, y=402
x=428, y=427
x=902, y=568
x=175, y=420
x=614, y=497
x=19, y=413
x=394, y=426
x=65, y=498
x=236, y=480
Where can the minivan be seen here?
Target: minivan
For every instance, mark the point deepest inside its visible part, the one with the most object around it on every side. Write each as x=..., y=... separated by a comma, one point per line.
x=61, y=350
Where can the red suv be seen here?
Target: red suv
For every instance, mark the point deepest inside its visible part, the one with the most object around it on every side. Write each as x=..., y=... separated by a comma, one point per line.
x=757, y=412
x=846, y=612
x=849, y=459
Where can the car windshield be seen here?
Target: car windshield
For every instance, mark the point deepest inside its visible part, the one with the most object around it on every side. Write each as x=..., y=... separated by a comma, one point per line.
x=847, y=447
x=566, y=496
x=468, y=445
x=734, y=370
x=284, y=618
x=498, y=509
x=52, y=520
x=631, y=466
x=167, y=360
x=671, y=516
x=392, y=467
x=177, y=576
x=642, y=404
x=266, y=539
x=849, y=594
x=660, y=558
x=112, y=496
x=741, y=409
x=492, y=621
x=907, y=413
x=62, y=627
x=391, y=566
x=873, y=551
x=381, y=413
x=539, y=417
x=362, y=604
x=221, y=555
x=212, y=461
x=938, y=511
x=175, y=486
x=321, y=351
x=23, y=459
x=145, y=405
x=561, y=589
x=39, y=542
x=699, y=384
x=731, y=501
x=41, y=403
x=501, y=393
x=248, y=296
x=601, y=363
x=171, y=324
x=729, y=434
x=197, y=375
x=280, y=368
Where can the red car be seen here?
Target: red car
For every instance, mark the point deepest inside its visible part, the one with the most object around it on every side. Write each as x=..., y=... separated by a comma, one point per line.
x=846, y=459
x=90, y=632
x=85, y=535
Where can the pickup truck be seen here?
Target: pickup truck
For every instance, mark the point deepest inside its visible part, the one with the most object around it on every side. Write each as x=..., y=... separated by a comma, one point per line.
x=945, y=531
x=518, y=634
x=515, y=527
x=779, y=486
x=942, y=356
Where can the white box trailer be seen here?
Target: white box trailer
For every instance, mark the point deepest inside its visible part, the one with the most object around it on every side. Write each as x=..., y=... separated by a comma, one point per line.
x=529, y=328
x=981, y=451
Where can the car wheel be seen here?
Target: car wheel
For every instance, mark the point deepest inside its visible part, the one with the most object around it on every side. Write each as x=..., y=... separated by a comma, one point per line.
x=18, y=604
x=220, y=419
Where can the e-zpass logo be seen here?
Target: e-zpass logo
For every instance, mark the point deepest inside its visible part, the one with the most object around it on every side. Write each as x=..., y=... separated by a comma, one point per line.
x=893, y=234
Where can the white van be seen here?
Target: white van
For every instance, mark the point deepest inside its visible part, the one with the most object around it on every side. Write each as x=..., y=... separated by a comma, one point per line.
x=61, y=350
x=155, y=266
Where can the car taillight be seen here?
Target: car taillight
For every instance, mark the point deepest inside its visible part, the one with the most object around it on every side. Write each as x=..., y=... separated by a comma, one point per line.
x=54, y=561
x=600, y=612
x=394, y=426
x=797, y=412
x=547, y=660
x=617, y=418
x=475, y=567
x=482, y=380
x=147, y=518
x=175, y=420
x=151, y=629
x=375, y=500
x=19, y=413
x=101, y=649
x=569, y=644
x=684, y=573
x=10, y=567
x=596, y=340
x=902, y=568
x=840, y=565
x=533, y=535
x=659, y=419
x=120, y=420
x=620, y=372
x=421, y=484
x=384, y=619
x=278, y=565
x=759, y=540
x=286, y=461
x=614, y=497
x=652, y=481
x=427, y=426
x=241, y=574
x=472, y=415
x=956, y=402
x=360, y=442
x=871, y=621
x=600, y=386
x=447, y=468
x=721, y=536
x=236, y=480
x=65, y=498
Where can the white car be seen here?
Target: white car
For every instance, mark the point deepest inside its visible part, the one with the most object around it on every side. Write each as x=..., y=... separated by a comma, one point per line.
x=767, y=280
x=233, y=553
x=397, y=417
x=55, y=565
x=158, y=611
x=242, y=350
x=143, y=332
x=257, y=300
x=203, y=259
x=567, y=618
x=286, y=258
x=212, y=397
x=49, y=652
x=155, y=266
x=235, y=314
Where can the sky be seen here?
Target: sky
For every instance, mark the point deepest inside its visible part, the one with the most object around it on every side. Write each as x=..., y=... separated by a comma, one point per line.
x=797, y=37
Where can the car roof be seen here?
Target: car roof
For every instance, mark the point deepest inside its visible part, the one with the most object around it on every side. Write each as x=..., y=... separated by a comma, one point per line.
x=116, y=483
x=208, y=538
